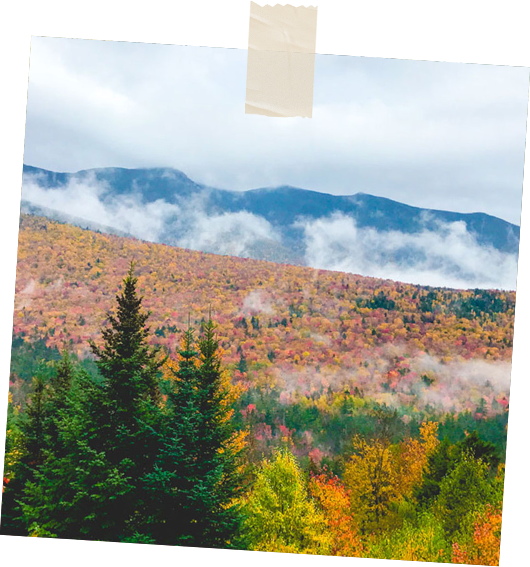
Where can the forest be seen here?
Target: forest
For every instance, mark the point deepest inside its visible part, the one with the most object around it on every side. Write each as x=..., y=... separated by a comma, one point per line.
x=196, y=399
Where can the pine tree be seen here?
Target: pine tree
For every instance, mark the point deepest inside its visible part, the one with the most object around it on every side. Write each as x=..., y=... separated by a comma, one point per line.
x=39, y=433
x=59, y=389
x=13, y=454
x=35, y=423
x=196, y=478
x=105, y=436
x=126, y=361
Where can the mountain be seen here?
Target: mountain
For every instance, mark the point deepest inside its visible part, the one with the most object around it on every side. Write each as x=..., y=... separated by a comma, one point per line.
x=282, y=207
x=31, y=209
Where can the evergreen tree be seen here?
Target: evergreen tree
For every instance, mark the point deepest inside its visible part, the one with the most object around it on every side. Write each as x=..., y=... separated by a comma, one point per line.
x=104, y=436
x=445, y=458
x=128, y=364
x=440, y=463
x=13, y=454
x=35, y=424
x=242, y=365
x=196, y=476
x=480, y=449
x=59, y=390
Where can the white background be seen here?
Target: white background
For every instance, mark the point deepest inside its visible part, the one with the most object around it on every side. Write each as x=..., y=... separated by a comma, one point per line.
x=212, y=17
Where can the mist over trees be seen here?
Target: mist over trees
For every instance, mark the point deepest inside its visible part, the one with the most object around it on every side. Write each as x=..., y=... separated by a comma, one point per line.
x=159, y=447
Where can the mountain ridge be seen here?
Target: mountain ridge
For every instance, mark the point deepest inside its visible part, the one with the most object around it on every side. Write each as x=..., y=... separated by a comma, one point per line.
x=286, y=208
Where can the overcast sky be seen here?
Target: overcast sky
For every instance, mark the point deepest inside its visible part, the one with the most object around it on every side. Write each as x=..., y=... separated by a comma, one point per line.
x=436, y=135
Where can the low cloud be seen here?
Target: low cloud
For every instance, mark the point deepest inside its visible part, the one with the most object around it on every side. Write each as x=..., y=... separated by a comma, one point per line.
x=454, y=387
x=90, y=200
x=183, y=224
x=442, y=254
x=234, y=234
x=446, y=255
x=257, y=302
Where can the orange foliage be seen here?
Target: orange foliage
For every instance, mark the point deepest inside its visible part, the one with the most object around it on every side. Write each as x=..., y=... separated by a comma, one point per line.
x=412, y=458
x=334, y=500
x=486, y=542
x=323, y=328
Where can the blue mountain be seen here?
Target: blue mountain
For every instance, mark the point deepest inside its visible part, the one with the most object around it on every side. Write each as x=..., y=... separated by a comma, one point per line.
x=283, y=206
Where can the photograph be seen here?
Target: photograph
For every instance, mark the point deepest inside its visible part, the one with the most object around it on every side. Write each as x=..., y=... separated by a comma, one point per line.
x=259, y=333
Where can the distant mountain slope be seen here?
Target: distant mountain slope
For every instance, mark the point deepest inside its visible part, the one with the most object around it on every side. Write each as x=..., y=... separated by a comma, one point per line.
x=282, y=206
x=30, y=209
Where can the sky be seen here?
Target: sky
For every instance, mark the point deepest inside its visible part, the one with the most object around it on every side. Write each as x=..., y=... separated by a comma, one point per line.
x=447, y=136
x=436, y=135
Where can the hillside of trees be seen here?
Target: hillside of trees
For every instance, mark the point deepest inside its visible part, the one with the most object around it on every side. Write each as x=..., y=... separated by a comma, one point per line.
x=310, y=350
x=246, y=404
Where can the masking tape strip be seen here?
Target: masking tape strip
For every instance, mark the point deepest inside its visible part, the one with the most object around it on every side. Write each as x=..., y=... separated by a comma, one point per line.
x=281, y=60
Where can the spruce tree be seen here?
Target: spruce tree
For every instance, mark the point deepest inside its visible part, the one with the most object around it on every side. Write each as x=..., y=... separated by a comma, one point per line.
x=32, y=425
x=106, y=436
x=128, y=412
x=220, y=456
x=35, y=423
x=196, y=478
x=128, y=364
x=14, y=444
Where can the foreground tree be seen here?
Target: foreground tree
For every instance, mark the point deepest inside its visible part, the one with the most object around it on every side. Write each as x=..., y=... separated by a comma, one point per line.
x=381, y=474
x=10, y=451
x=279, y=513
x=197, y=474
x=334, y=500
x=483, y=547
x=101, y=437
x=462, y=492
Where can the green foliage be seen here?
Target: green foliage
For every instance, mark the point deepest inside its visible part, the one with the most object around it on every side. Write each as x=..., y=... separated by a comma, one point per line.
x=439, y=464
x=480, y=449
x=463, y=491
x=279, y=514
x=196, y=473
x=104, y=459
x=94, y=441
x=446, y=458
x=481, y=302
x=126, y=361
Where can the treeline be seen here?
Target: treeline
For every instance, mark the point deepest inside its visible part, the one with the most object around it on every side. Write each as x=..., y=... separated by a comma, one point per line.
x=149, y=449
x=321, y=427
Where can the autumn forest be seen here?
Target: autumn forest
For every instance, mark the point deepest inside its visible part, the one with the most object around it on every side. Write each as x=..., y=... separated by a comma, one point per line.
x=160, y=395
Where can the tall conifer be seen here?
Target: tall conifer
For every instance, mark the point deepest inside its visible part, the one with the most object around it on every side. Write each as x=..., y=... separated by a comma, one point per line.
x=196, y=478
x=89, y=486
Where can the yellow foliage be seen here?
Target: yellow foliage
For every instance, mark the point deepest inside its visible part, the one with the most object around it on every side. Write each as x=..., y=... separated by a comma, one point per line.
x=379, y=474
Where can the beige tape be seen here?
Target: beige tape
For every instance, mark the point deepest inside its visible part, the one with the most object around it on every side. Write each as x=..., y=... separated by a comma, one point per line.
x=281, y=60
x=280, y=83
x=281, y=25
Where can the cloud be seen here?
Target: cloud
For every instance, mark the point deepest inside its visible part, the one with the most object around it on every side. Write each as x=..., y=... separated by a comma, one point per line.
x=455, y=387
x=183, y=224
x=446, y=255
x=257, y=302
x=442, y=254
x=233, y=234
x=435, y=135
x=91, y=200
